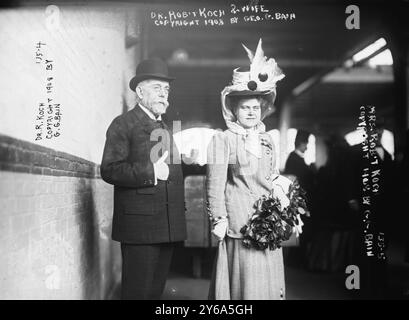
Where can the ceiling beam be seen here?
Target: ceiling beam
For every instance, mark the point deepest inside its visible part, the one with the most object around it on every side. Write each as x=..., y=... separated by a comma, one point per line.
x=315, y=79
x=284, y=63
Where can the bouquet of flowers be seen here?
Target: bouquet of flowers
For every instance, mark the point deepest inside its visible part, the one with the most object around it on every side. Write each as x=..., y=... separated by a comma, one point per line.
x=277, y=216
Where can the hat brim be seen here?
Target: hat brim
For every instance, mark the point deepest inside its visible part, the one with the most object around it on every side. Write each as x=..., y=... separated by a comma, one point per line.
x=141, y=77
x=268, y=108
x=248, y=93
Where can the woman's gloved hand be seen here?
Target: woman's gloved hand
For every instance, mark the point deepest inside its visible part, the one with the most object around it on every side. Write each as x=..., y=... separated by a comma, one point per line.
x=220, y=228
x=281, y=186
x=282, y=181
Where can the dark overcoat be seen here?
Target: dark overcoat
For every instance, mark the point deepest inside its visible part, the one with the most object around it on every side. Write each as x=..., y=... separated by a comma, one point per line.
x=143, y=212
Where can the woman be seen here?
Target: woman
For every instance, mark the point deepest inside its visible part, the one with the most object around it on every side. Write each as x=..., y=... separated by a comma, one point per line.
x=241, y=168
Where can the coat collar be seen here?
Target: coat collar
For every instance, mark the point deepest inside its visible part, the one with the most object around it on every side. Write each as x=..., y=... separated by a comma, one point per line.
x=150, y=114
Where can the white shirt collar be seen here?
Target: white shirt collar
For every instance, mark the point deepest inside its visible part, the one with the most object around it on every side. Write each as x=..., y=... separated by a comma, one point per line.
x=150, y=114
x=299, y=153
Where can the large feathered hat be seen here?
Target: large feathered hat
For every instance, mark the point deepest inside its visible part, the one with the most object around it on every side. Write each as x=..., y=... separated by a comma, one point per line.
x=259, y=80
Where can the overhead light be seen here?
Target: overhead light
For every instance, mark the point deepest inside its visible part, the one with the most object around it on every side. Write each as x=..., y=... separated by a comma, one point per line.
x=180, y=55
x=367, y=51
x=382, y=59
x=348, y=64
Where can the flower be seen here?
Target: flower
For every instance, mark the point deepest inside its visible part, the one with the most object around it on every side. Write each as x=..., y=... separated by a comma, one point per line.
x=277, y=216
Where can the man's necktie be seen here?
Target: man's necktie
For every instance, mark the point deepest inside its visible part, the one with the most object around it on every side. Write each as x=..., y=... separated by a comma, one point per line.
x=161, y=124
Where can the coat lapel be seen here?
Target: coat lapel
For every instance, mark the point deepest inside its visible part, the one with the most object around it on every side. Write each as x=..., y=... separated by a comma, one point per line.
x=147, y=124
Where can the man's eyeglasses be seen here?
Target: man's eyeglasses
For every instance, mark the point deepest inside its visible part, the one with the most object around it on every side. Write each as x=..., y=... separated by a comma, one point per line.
x=158, y=89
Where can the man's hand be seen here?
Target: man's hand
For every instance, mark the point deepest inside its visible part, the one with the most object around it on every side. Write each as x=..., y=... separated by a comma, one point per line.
x=161, y=168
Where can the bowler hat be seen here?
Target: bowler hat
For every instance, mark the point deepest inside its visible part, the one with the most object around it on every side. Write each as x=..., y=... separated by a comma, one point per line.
x=150, y=69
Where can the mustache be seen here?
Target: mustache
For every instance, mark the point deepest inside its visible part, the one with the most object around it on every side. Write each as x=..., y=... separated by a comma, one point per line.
x=166, y=103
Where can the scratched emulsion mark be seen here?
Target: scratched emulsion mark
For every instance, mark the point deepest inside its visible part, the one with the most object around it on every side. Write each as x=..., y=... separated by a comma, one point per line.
x=206, y=16
x=374, y=239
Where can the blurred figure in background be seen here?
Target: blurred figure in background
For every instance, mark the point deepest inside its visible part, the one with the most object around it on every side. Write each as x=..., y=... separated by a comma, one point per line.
x=374, y=271
x=404, y=169
x=402, y=172
x=297, y=167
x=405, y=190
x=336, y=227
x=295, y=164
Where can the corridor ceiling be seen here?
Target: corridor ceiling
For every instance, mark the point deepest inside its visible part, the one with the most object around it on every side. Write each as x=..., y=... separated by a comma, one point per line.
x=311, y=45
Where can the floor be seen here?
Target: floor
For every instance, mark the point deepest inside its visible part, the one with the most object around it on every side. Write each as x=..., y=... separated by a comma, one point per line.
x=187, y=283
x=300, y=283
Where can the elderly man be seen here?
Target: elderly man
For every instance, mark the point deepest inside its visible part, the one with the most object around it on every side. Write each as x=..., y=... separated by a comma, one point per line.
x=149, y=217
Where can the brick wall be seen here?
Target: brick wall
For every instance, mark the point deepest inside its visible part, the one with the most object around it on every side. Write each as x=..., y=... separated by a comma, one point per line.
x=55, y=226
x=56, y=212
x=55, y=238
